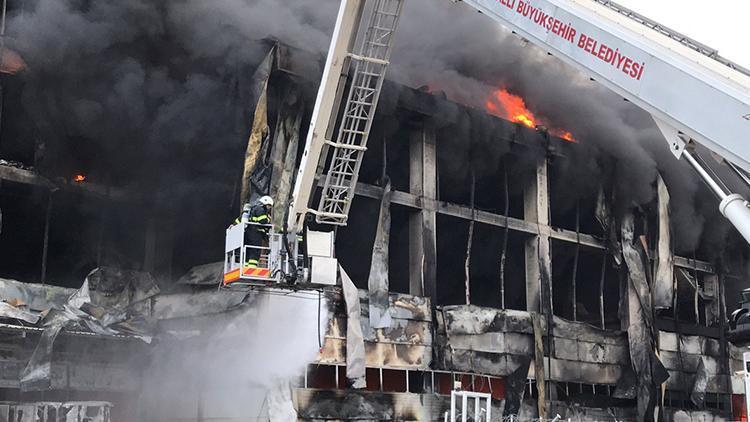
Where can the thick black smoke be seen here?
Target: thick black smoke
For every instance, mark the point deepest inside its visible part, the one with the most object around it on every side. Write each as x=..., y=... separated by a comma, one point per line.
x=163, y=76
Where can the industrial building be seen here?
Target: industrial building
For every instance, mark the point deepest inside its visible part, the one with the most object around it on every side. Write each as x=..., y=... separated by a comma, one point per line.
x=508, y=269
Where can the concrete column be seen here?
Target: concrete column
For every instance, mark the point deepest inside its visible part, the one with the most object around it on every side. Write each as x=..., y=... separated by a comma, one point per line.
x=538, y=256
x=422, y=224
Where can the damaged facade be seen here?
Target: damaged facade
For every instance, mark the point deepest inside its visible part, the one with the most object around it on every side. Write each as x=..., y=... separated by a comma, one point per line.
x=465, y=259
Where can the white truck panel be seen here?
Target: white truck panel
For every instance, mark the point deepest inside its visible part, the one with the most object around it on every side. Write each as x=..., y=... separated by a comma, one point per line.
x=703, y=98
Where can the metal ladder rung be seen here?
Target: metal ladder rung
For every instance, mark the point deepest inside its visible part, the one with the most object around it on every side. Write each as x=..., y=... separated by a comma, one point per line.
x=347, y=160
x=364, y=88
x=340, y=201
x=341, y=173
x=372, y=57
x=332, y=215
x=360, y=103
x=368, y=59
x=346, y=146
x=382, y=13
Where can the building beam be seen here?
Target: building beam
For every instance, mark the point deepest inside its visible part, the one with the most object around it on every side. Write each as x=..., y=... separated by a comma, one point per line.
x=28, y=177
x=537, y=250
x=422, y=223
x=415, y=202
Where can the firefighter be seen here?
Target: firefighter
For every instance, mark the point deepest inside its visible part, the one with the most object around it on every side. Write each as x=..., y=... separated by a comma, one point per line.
x=258, y=217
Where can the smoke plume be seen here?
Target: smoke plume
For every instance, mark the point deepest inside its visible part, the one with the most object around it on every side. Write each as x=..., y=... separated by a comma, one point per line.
x=163, y=76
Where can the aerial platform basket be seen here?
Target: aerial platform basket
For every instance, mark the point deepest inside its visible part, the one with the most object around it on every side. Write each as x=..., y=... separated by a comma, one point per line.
x=278, y=264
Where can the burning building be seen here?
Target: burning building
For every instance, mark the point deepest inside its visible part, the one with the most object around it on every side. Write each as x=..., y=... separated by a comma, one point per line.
x=498, y=239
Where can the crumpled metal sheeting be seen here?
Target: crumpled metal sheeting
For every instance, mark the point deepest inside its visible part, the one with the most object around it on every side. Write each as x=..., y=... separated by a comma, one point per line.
x=648, y=369
x=698, y=392
x=355, y=343
x=377, y=282
x=605, y=218
x=37, y=297
x=515, y=388
x=283, y=158
x=401, y=306
x=9, y=311
x=280, y=404
x=204, y=275
x=252, y=175
x=664, y=273
x=117, y=302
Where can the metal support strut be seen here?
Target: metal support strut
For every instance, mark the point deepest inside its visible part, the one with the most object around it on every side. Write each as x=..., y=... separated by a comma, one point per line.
x=370, y=64
x=733, y=206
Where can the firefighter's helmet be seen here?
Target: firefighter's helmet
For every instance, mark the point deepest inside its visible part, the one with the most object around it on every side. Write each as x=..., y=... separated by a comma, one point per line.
x=266, y=201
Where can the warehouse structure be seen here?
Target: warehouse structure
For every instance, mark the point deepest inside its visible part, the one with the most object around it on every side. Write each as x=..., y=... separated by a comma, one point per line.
x=500, y=275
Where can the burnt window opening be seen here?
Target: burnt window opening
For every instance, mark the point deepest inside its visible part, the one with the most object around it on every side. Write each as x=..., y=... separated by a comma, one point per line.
x=388, y=137
x=696, y=298
x=83, y=232
x=354, y=241
x=398, y=250
x=596, y=284
x=452, y=235
x=572, y=199
x=461, y=162
x=591, y=395
x=22, y=235
x=487, y=287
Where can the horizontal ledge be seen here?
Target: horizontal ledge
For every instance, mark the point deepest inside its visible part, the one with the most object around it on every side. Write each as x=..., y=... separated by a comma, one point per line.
x=466, y=213
x=29, y=177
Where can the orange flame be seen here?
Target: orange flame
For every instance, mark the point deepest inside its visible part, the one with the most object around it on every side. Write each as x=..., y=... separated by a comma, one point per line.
x=564, y=134
x=511, y=107
x=79, y=178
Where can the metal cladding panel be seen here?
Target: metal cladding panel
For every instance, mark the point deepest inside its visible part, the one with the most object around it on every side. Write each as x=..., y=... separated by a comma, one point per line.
x=716, y=383
x=511, y=343
x=696, y=345
x=658, y=74
x=405, y=343
x=590, y=373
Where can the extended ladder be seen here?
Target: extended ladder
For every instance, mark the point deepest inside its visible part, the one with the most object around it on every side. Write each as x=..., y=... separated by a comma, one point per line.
x=370, y=64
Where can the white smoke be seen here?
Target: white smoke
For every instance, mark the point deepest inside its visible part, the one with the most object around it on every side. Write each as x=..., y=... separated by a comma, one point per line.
x=227, y=371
